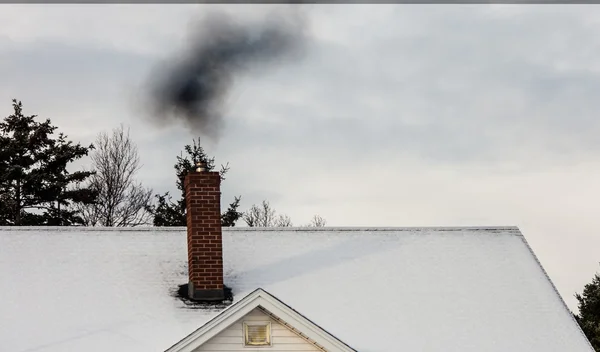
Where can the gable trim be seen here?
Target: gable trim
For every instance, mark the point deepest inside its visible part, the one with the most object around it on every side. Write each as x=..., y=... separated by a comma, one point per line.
x=292, y=329
x=564, y=304
x=263, y=299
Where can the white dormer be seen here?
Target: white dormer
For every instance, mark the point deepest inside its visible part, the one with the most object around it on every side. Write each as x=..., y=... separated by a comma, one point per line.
x=260, y=322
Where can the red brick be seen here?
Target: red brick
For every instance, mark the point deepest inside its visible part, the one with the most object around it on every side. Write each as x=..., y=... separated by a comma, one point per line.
x=205, y=244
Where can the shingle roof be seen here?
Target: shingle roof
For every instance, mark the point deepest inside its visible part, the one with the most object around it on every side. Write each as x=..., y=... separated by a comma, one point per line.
x=379, y=290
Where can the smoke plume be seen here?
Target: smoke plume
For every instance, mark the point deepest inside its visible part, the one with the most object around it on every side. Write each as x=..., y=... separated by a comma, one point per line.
x=194, y=87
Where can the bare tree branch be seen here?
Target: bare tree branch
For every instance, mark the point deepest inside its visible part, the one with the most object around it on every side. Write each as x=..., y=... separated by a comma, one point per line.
x=122, y=201
x=283, y=221
x=264, y=216
x=317, y=221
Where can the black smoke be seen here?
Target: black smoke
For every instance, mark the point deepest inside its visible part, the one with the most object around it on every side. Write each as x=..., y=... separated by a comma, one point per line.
x=194, y=86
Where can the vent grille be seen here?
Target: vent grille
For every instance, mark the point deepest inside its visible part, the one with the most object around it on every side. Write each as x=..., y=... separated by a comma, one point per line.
x=257, y=333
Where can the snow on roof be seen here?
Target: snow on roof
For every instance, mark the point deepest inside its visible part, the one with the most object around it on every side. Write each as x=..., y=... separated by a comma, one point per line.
x=378, y=290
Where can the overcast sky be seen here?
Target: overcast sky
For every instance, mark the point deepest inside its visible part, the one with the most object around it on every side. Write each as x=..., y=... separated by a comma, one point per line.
x=397, y=115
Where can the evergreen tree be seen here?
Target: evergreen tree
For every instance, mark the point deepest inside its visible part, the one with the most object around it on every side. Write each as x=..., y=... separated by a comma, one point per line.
x=229, y=217
x=173, y=213
x=33, y=173
x=589, y=311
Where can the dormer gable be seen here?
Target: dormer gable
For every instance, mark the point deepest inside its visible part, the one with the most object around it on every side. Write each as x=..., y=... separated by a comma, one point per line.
x=260, y=320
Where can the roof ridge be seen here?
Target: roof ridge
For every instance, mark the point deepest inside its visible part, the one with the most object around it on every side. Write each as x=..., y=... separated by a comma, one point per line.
x=263, y=229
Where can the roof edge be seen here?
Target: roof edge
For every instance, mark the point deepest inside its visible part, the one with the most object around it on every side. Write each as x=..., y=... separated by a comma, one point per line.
x=560, y=298
x=262, y=229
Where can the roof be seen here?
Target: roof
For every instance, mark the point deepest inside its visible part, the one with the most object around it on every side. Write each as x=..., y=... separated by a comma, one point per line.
x=378, y=290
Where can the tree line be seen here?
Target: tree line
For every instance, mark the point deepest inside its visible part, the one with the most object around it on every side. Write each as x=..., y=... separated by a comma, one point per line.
x=37, y=189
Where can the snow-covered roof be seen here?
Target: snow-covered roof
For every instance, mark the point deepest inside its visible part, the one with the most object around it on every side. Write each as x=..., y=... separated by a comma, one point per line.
x=378, y=290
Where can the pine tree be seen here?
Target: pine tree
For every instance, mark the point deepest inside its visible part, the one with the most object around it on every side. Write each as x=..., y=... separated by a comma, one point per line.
x=173, y=213
x=589, y=311
x=33, y=173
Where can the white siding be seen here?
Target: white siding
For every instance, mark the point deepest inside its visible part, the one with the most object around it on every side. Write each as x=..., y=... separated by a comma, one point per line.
x=232, y=338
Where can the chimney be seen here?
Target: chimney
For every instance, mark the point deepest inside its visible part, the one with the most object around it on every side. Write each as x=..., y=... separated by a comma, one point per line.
x=205, y=244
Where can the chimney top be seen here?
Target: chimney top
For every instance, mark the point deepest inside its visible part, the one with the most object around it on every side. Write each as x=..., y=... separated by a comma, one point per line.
x=201, y=166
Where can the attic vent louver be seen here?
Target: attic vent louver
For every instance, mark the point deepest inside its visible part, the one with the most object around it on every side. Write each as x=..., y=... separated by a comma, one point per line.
x=257, y=333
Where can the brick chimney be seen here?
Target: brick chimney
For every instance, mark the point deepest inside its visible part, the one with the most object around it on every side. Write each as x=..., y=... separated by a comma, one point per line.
x=205, y=244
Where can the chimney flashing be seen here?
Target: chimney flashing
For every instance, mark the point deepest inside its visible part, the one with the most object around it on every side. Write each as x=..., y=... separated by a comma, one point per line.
x=205, y=295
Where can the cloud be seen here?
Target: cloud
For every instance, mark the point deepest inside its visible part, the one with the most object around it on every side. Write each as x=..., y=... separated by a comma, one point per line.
x=80, y=90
